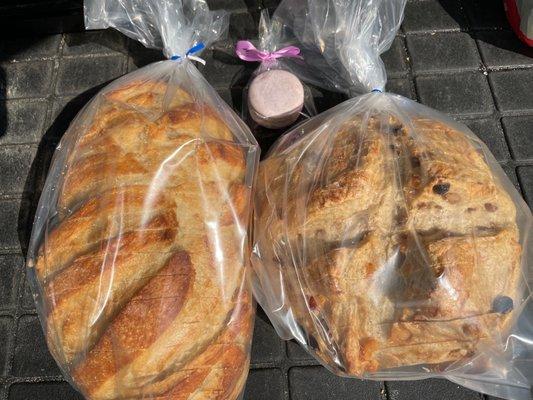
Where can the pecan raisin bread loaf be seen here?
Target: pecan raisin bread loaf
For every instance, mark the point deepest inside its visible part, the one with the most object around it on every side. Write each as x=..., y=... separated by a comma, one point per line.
x=396, y=244
x=143, y=273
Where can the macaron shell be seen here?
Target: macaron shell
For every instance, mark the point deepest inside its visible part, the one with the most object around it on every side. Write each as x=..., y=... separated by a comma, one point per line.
x=275, y=98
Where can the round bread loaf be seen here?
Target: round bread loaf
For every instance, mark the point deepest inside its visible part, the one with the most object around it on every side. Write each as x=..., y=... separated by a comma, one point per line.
x=392, y=242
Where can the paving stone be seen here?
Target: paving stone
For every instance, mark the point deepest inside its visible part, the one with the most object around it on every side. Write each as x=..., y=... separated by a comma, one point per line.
x=400, y=86
x=265, y=384
x=483, y=14
x=520, y=134
x=29, y=47
x=77, y=75
x=6, y=333
x=443, y=51
x=491, y=133
x=461, y=93
x=317, y=383
x=513, y=89
x=510, y=171
x=15, y=164
x=395, y=58
x=27, y=296
x=11, y=266
x=106, y=41
x=43, y=391
x=503, y=49
x=32, y=357
x=9, y=217
x=434, y=389
x=21, y=121
x=297, y=352
x=525, y=174
x=433, y=15
x=25, y=79
x=266, y=346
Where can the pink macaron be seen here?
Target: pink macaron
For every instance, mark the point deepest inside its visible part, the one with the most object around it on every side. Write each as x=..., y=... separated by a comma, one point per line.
x=275, y=98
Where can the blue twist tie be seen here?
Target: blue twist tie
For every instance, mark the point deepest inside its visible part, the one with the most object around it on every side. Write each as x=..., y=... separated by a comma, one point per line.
x=376, y=90
x=194, y=49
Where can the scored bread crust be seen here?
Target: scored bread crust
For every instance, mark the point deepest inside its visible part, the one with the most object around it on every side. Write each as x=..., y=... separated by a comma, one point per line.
x=397, y=245
x=144, y=271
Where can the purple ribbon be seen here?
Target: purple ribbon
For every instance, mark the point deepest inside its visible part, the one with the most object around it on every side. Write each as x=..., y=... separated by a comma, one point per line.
x=248, y=52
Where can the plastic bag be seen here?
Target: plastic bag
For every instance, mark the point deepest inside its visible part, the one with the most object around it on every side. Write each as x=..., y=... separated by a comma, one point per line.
x=139, y=251
x=275, y=97
x=520, y=16
x=388, y=241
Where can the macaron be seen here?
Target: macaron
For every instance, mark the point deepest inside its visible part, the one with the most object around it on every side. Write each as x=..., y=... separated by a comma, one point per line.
x=275, y=98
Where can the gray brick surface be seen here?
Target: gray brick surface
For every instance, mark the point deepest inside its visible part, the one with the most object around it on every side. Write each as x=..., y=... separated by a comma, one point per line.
x=267, y=346
x=10, y=272
x=296, y=352
x=316, y=383
x=9, y=217
x=513, y=89
x=77, y=75
x=26, y=79
x=23, y=120
x=6, y=339
x=501, y=49
x=433, y=15
x=43, y=391
x=525, y=175
x=395, y=59
x=434, y=389
x=32, y=357
x=443, y=52
x=265, y=384
x=490, y=132
x=520, y=133
x=94, y=42
x=15, y=163
x=461, y=93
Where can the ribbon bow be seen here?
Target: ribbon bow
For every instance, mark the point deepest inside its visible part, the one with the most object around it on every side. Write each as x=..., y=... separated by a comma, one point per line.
x=194, y=49
x=246, y=51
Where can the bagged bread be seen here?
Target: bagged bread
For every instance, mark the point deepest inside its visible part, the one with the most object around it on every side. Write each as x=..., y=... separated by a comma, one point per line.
x=388, y=241
x=139, y=251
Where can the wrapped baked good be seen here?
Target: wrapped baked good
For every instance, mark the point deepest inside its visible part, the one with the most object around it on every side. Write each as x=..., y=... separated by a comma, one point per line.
x=275, y=97
x=139, y=251
x=388, y=241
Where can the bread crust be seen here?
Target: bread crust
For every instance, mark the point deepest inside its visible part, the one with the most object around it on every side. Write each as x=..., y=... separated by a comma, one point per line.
x=144, y=269
x=395, y=240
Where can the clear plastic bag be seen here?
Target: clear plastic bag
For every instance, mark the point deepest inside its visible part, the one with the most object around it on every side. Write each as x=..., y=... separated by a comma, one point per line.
x=275, y=97
x=139, y=252
x=388, y=241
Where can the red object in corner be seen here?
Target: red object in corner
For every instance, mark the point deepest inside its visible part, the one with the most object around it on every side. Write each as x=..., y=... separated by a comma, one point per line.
x=514, y=19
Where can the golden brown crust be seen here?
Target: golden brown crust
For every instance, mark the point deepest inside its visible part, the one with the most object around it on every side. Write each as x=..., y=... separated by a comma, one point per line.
x=143, y=273
x=398, y=245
